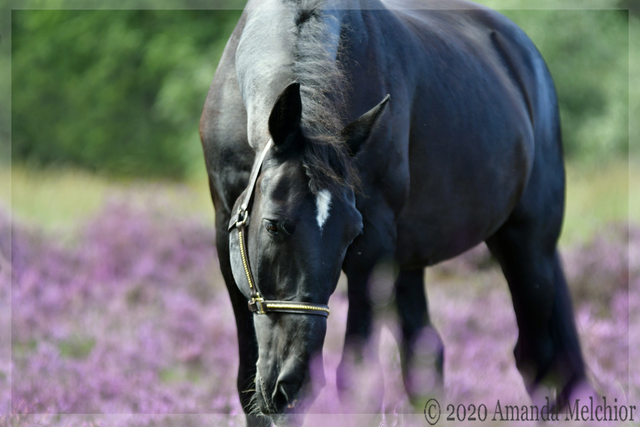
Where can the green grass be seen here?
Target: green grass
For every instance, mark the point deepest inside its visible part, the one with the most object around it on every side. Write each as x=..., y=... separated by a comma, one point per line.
x=598, y=195
x=59, y=199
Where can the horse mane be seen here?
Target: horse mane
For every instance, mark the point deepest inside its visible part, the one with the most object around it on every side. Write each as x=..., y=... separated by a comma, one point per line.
x=326, y=156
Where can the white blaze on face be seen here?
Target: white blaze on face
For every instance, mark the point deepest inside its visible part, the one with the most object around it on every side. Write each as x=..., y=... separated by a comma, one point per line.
x=323, y=203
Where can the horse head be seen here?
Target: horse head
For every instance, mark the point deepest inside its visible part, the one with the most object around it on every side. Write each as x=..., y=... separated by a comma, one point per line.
x=289, y=249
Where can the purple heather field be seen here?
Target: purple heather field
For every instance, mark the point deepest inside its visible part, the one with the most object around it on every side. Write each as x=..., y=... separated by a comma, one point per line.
x=125, y=320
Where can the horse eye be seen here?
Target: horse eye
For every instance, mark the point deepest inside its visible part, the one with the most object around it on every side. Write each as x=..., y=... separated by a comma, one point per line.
x=271, y=226
x=288, y=228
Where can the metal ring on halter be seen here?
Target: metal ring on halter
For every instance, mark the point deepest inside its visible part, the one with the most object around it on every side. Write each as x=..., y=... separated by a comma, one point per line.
x=242, y=219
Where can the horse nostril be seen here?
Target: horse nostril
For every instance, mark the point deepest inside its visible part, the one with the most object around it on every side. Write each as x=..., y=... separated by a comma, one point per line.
x=284, y=394
x=281, y=397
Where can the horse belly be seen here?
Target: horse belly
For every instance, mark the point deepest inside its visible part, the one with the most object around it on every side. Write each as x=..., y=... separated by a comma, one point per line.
x=458, y=198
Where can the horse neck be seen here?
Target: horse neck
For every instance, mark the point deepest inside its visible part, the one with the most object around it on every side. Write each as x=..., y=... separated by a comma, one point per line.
x=265, y=53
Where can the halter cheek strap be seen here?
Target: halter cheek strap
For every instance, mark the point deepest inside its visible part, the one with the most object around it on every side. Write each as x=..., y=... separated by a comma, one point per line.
x=257, y=304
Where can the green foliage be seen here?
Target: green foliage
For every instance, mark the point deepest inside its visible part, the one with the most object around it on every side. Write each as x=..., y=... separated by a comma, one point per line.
x=119, y=91
x=5, y=83
x=587, y=52
x=76, y=347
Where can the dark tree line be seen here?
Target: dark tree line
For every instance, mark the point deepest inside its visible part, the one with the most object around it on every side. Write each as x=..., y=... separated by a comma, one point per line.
x=121, y=91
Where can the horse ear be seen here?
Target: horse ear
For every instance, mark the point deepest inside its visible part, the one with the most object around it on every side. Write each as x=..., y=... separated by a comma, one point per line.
x=357, y=132
x=284, y=120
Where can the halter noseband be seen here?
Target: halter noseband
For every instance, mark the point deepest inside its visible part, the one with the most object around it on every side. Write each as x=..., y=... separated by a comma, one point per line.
x=257, y=304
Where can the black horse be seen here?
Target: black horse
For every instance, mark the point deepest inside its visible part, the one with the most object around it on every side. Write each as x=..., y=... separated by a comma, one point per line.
x=341, y=134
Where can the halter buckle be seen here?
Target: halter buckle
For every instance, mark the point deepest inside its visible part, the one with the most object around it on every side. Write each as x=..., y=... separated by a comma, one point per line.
x=257, y=305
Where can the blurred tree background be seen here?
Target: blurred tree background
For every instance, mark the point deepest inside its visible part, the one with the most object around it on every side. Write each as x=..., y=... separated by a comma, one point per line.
x=587, y=52
x=120, y=91
x=116, y=91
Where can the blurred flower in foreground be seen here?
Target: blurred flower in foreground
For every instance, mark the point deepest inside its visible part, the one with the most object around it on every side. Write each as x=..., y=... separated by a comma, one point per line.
x=131, y=316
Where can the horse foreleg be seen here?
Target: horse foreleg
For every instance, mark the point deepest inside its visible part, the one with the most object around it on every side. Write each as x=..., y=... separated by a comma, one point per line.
x=421, y=348
x=358, y=377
